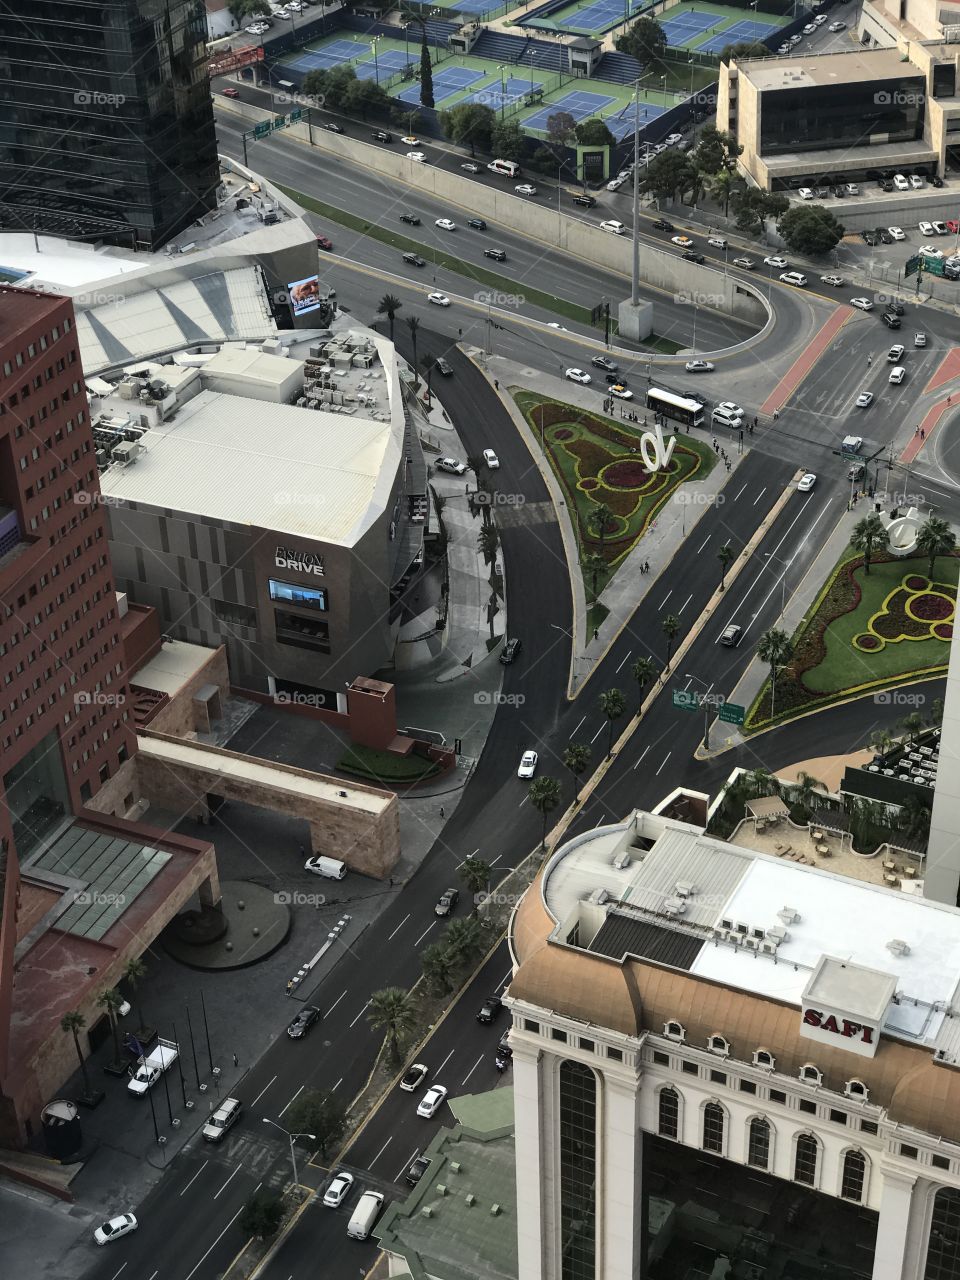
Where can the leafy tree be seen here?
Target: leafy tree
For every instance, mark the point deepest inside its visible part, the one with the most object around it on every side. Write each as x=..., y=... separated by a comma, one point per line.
x=561, y=127
x=810, y=229
x=773, y=647
x=726, y=555
x=508, y=141
x=469, y=124
x=488, y=542
x=599, y=520
x=668, y=175
x=912, y=725
x=880, y=742
x=915, y=817
x=391, y=1010
x=365, y=96
x=935, y=538
x=752, y=207
x=476, y=463
x=544, y=795
x=761, y=782
x=262, y=1215
x=465, y=938
x=807, y=789
x=413, y=324
x=742, y=49
x=241, y=10
x=439, y=965
x=74, y=1023
x=716, y=150
x=593, y=565
x=111, y=1000
x=388, y=306
x=670, y=625
x=543, y=160
x=594, y=133
x=643, y=671
x=475, y=874
x=869, y=535
x=645, y=40
x=334, y=84
x=721, y=187
x=316, y=1111
x=613, y=704
x=576, y=757
x=426, y=73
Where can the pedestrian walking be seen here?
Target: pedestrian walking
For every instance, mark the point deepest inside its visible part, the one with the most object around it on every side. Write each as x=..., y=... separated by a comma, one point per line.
x=756, y=421
x=496, y=385
x=443, y=813
x=917, y=432
x=236, y=1061
x=776, y=414
x=923, y=434
x=596, y=633
x=646, y=566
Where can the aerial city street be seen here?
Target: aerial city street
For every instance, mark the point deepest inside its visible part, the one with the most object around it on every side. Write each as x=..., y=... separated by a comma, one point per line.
x=479, y=727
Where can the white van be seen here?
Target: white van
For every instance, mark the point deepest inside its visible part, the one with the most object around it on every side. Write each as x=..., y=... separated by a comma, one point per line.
x=225, y=1115
x=726, y=418
x=508, y=168
x=329, y=868
x=365, y=1215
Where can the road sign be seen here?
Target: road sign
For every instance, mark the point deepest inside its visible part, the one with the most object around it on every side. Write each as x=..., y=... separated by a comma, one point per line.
x=913, y=265
x=732, y=713
x=686, y=700
x=932, y=266
x=262, y=128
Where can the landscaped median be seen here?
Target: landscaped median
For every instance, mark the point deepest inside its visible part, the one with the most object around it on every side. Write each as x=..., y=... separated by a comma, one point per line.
x=386, y=767
x=866, y=631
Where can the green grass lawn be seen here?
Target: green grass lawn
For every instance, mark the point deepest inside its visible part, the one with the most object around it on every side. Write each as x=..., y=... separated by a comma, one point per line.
x=383, y=766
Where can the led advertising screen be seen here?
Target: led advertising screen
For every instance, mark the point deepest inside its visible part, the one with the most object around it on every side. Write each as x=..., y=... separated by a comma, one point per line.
x=304, y=295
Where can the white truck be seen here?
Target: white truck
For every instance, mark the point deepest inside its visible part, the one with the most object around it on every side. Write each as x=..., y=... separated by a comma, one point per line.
x=153, y=1066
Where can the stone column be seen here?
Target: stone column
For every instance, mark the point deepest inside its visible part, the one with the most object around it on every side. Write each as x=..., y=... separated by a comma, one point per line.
x=528, y=1106
x=896, y=1197
x=620, y=1205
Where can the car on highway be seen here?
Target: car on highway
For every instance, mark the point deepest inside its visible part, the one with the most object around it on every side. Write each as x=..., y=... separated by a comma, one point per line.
x=333, y=127
x=897, y=375
x=617, y=378
x=338, y=1189
x=230, y=92
x=324, y=243
x=525, y=189
x=836, y=281
x=432, y=1101
x=528, y=764
x=604, y=362
x=661, y=224
x=444, y=367
x=613, y=227
x=438, y=299
x=919, y=339
x=411, y=141
x=445, y=224
x=478, y=224
x=717, y=242
x=806, y=482
x=119, y=1226
x=577, y=375
x=895, y=354
x=700, y=366
x=851, y=444
x=621, y=392
x=470, y=167
x=304, y=1020
x=410, y=219
x=419, y=156
x=508, y=654
x=862, y=304
x=491, y=461
x=891, y=320
x=682, y=242
x=498, y=255
x=413, y=260
x=732, y=410
x=774, y=260
x=413, y=1077
x=447, y=902
x=490, y=1009
x=691, y=255
x=585, y=201
x=730, y=636
x=381, y=135
x=746, y=263
x=452, y=465
x=416, y=1171
x=897, y=308
x=796, y=278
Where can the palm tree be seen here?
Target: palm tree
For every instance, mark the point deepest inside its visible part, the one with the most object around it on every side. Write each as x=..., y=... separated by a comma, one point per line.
x=134, y=971
x=465, y=938
x=761, y=782
x=413, y=324
x=643, y=671
x=475, y=874
x=544, y=795
x=935, y=538
x=593, y=565
x=388, y=306
x=773, y=647
x=598, y=520
x=726, y=555
x=488, y=542
x=915, y=817
x=722, y=185
x=869, y=534
x=576, y=757
x=613, y=704
x=476, y=463
x=74, y=1023
x=439, y=964
x=429, y=363
x=112, y=1001
x=912, y=725
x=880, y=742
x=807, y=789
x=670, y=626
x=391, y=1010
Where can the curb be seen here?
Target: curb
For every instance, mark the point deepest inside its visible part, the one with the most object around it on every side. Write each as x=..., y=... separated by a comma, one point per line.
x=278, y=1242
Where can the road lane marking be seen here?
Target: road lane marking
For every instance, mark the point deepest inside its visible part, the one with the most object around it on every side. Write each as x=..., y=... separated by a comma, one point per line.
x=198, y=1173
x=378, y=1155
x=504, y=980
x=116, y=1273
x=444, y=1062
x=360, y=1014
x=229, y=1180
x=625, y=661
x=295, y=1097
x=262, y=1092
x=496, y=860
x=642, y=754
x=335, y=1003
x=665, y=759
x=338, y=1084
x=596, y=735
x=710, y=535
x=424, y=934
x=522, y=802
x=666, y=598
x=399, y=927
x=737, y=494
x=685, y=603
x=407, y=1163
x=471, y=1071
x=760, y=495
x=582, y=718
x=220, y=1236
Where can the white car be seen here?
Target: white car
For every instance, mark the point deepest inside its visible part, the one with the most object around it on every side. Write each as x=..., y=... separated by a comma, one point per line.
x=836, y=281
x=525, y=189
x=699, y=366
x=432, y=1101
x=615, y=184
x=940, y=228
x=338, y=1190
x=684, y=242
x=730, y=408
x=552, y=324
x=411, y=141
x=793, y=277
x=470, y=166
x=774, y=261
x=717, y=242
x=862, y=304
x=419, y=156
x=837, y=26
x=445, y=224
x=900, y=183
x=491, y=461
x=864, y=400
x=256, y=29
x=620, y=392
x=931, y=251
x=897, y=375
x=805, y=193
x=917, y=182
x=615, y=228
x=673, y=138
x=453, y=465
x=806, y=482
x=809, y=29
x=896, y=233
x=115, y=1228
x=746, y=263
x=414, y=1077
x=528, y=764
x=577, y=375
x=926, y=229
x=438, y=299
x=851, y=444
x=919, y=339
x=820, y=19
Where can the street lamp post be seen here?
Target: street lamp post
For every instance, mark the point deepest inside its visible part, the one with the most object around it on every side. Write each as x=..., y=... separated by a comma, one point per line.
x=503, y=90
x=706, y=710
x=376, y=66
x=291, y=1137
x=770, y=557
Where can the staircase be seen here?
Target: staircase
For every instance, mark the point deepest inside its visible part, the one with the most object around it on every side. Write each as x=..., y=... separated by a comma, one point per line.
x=618, y=68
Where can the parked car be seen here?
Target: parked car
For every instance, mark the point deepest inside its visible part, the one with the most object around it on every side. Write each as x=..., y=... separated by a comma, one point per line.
x=416, y=1171
x=452, y=465
x=122, y=1225
x=508, y=654
x=897, y=233
x=490, y=1009
x=413, y=1077
x=447, y=902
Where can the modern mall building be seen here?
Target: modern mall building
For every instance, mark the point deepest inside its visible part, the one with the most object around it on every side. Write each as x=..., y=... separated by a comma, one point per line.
x=765, y=1054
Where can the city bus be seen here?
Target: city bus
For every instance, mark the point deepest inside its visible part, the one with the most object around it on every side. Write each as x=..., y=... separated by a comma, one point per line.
x=679, y=408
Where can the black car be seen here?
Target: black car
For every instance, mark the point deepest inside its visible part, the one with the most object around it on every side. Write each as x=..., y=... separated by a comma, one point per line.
x=604, y=362
x=510, y=650
x=490, y=1009
x=936, y=182
x=444, y=367
x=414, y=260
x=890, y=320
x=885, y=236
x=410, y=219
x=897, y=308
x=821, y=192
x=333, y=127
x=662, y=224
x=498, y=255
x=691, y=255
x=586, y=202
x=448, y=900
x=868, y=237
x=617, y=378
x=731, y=635
x=381, y=135
x=302, y=1023
x=478, y=224
x=839, y=192
x=417, y=1170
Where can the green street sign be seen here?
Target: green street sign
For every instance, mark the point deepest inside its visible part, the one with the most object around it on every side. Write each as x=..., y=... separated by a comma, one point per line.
x=732, y=713
x=932, y=266
x=686, y=700
x=262, y=129
x=913, y=265
x=296, y=116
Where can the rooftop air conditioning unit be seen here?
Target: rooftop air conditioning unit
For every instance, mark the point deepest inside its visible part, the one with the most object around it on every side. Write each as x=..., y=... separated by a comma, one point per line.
x=777, y=935
x=752, y=943
x=789, y=915
x=622, y=861
x=685, y=889
x=897, y=947
x=674, y=906
x=768, y=947
x=127, y=451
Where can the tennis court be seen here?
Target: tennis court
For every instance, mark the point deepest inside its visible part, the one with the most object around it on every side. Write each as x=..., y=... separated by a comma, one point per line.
x=685, y=27
x=621, y=126
x=384, y=66
x=475, y=6
x=600, y=15
x=513, y=91
x=577, y=104
x=446, y=82
x=747, y=29
x=331, y=55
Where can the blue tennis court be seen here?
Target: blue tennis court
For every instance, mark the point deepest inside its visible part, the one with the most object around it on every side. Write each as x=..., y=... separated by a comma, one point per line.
x=622, y=126
x=474, y=6
x=446, y=82
x=578, y=104
x=687, y=26
x=748, y=29
x=331, y=55
x=598, y=16
x=513, y=91
x=383, y=67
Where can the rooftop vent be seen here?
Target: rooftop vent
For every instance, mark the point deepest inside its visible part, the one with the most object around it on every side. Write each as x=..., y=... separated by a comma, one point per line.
x=789, y=915
x=685, y=889
x=674, y=906
x=777, y=934
x=622, y=861
x=598, y=897
x=897, y=947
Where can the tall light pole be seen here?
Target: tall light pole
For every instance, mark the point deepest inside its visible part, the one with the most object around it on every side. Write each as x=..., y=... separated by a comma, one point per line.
x=293, y=1152
x=503, y=91
x=635, y=273
x=706, y=709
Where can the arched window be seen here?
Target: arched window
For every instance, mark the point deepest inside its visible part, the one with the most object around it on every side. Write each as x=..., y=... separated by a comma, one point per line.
x=674, y=1031
x=810, y=1073
x=854, y=1176
x=805, y=1162
x=943, y=1247
x=718, y=1044
x=856, y=1089
x=669, y=1119
x=763, y=1058
x=758, y=1143
x=578, y=1163
x=713, y=1127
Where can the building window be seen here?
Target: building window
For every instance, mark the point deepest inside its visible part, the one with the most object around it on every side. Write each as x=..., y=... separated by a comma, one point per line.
x=777, y=1095
x=301, y=633
x=805, y=1104
x=718, y=1077
x=669, y=1119
x=615, y=1055
x=763, y=1058
x=868, y=1126
x=810, y=1073
x=940, y=1162
x=747, y=1086
x=578, y=1156
x=717, y=1044
x=587, y=1045
x=557, y=1034
x=758, y=1143
x=943, y=1249
x=909, y=1153
x=661, y=1059
x=856, y=1089
x=530, y=1025
x=713, y=1128
x=690, y=1068
x=673, y=1030
x=854, y=1176
x=805, y=1162
x=838, y=1117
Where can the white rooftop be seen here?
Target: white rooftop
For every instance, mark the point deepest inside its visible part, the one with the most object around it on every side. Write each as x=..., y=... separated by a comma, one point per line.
x=60, y=265
x=173, y=666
